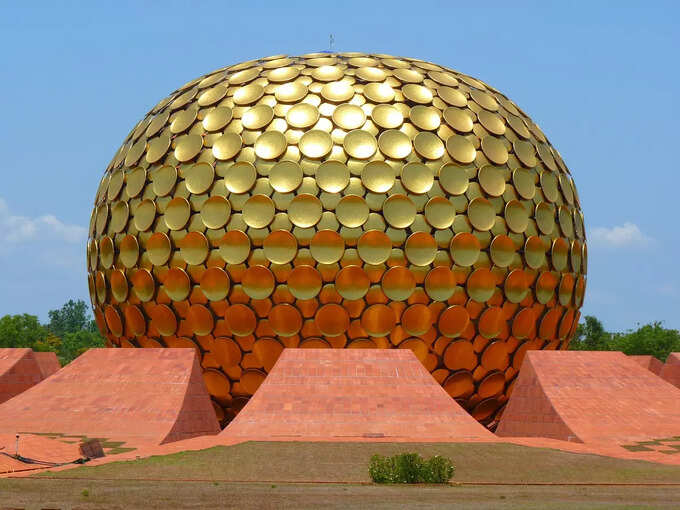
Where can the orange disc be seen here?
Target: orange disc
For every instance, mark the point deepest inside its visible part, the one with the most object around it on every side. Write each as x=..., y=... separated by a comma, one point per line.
x=565, y=324
x=177, y=284
x=440, y=283
x=134, y=320
x=280, y=247
x=481, y=285
x=460, y=384
x=143, y=285
x=119, y=285
x=362, y=343
x=332, y=320
x=548, y=328
x=464, y=249
x=113, y=320
x=374, y=247
x=491, y=322
x=352, y=282
x=227, y=352
x=241, y=319
x=545, y=287
x=327, y=246
x=215, y=283
x=201, y=320
x=267, y=351
x=314, y=343
x=285, y=320
x=416, y=319
x=524, y=324
x=378, y=320
x=484, y=409
x=258, y=282
x=251, y=379
x=164, y=320
x=453, y=321
x=516, y=286
x=460, y=355
x=304, y=282
x=194, y=248
x=418, y=347
x=398, y=283
x=495, y=356
x=217, y=383
x=492, y=384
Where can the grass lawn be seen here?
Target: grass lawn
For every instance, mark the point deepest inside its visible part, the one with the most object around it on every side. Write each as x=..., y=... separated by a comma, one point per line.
x=271, y=475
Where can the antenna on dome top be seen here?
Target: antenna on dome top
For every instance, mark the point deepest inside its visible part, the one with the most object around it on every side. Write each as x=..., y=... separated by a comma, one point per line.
x=331, y=42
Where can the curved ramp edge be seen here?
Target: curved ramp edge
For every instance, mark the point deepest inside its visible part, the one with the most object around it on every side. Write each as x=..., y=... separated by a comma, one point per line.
x=598, y=396
x=137, y=395
x=352, y=395
x=671, y=369
x=19, y=371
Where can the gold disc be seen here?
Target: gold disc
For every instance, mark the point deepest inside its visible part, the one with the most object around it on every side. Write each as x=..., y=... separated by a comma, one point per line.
x=327, y=246
x=352, y=211
x=349, y=116
x=280, y=247
x=398, y=283
x=399, y=211
x=360, y=144
x=285, y=176
x=374, y=247
x=465, y=249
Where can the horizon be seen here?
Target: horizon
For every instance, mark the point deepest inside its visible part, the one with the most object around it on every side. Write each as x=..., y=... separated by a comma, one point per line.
x=83, y=75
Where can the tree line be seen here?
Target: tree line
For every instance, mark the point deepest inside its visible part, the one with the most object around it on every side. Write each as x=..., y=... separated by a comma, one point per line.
x=70, y=331
x=652, y=339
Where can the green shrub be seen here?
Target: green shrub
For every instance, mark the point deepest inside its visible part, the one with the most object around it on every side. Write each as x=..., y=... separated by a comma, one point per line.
x=410, y=468
x=438, y=470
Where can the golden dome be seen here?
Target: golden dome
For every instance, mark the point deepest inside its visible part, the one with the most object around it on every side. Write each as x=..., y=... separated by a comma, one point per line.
x=339, y=201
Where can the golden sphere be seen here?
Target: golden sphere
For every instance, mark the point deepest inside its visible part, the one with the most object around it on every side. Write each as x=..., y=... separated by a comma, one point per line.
x=339, y=201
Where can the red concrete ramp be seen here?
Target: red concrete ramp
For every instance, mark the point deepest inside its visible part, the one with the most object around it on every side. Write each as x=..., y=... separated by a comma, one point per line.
x=137, y=395
x=589, y=397
x=48, y=363
x=19, y=370
x=670, y=372
x=649, y=362
x=352, y=395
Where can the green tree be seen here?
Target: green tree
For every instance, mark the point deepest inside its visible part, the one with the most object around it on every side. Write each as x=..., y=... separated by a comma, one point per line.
x=76, y=343
x=590, y=336
x=75, y=328
x=651, y=339
x=71, y=317
x=21, y=330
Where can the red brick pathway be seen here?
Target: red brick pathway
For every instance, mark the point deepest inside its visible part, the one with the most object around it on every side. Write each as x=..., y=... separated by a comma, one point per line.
x=591, y=397
x=352, y=395
x=140, y=396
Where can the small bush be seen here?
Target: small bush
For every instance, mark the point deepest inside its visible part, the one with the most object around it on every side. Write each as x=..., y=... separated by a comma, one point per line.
x=410, y=468
x=437, y=470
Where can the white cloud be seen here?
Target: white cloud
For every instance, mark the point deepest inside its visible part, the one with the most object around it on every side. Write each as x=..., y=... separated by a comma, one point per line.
x=20, y=229
x=628, y=234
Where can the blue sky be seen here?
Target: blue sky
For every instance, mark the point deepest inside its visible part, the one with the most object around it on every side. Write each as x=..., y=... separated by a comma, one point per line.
x=600, y=78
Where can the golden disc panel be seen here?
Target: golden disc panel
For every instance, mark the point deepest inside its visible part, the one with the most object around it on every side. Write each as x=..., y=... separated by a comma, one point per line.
x=339, y=201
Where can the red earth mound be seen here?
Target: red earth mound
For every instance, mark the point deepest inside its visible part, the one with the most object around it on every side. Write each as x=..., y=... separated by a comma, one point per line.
x=141, y=396
x=589, y=397
x=352, y=395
